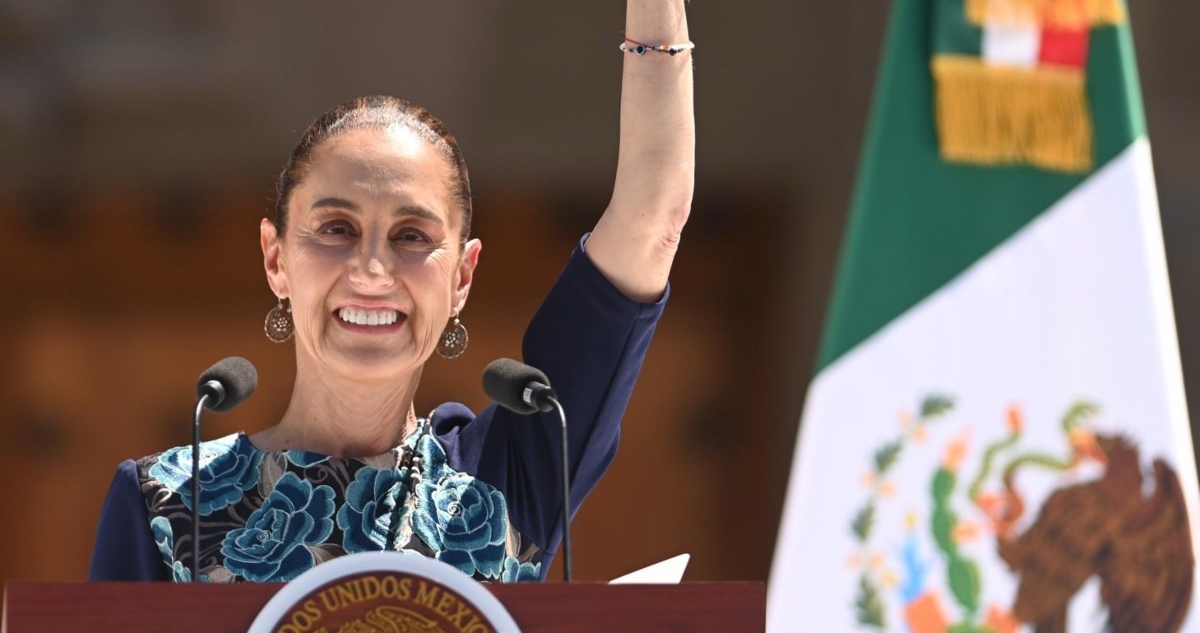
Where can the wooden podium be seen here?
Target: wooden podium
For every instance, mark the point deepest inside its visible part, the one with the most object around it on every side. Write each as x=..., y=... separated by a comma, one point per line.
x=217, y=608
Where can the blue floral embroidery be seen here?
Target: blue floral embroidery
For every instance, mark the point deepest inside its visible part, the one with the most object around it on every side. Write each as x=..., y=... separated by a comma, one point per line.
x=429, y=509
x=463, y=520
x=361, y=530
x=272, y=544
x=305, y=458
x=165, y=540
x=515, y=571
x=228, y=468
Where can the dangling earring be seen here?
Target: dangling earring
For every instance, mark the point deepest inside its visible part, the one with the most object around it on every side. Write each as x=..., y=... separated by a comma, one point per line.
x=454, y=339
x=279, y=325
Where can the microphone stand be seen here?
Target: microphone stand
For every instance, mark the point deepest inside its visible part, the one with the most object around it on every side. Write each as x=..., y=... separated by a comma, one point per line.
x=196, y=481
x=566, y=491
x=200, y=404
x=212, y=393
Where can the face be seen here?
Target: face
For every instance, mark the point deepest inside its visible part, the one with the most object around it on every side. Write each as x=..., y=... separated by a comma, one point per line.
x=371, y=260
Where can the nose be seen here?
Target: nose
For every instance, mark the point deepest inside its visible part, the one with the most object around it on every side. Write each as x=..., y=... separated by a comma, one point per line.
x=369, y=272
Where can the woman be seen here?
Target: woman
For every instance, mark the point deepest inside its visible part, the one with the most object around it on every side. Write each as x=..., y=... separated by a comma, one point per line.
x=370, y=259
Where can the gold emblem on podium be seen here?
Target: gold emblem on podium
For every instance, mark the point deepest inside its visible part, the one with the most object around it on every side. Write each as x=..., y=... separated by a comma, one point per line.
x=383, y=602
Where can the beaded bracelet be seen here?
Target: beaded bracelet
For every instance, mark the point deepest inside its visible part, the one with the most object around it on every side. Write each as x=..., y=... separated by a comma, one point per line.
x=639, y=48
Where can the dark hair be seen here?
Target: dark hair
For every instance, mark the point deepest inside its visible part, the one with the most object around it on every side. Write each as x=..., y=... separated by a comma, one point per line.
x=375, y=112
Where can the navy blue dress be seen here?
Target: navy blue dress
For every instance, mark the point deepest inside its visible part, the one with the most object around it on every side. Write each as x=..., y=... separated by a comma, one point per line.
x=479, y=492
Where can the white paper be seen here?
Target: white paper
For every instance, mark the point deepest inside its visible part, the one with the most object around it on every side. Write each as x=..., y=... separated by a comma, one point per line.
x=668, y=572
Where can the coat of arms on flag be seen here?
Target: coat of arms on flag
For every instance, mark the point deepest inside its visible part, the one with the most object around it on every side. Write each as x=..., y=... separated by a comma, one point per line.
x=1099, y=524
x=1011, y=80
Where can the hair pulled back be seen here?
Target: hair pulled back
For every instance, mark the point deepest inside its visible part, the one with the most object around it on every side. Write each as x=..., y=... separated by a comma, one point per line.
x=375, y=112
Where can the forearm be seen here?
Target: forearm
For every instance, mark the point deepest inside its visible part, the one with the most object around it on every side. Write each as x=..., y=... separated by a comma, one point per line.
x=635, y=241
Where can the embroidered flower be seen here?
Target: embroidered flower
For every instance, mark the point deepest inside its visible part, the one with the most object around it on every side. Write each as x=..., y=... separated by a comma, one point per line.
x=228, y=468
x=366, y=516
x=272, y=544
x=515, y=571
x=464, y=520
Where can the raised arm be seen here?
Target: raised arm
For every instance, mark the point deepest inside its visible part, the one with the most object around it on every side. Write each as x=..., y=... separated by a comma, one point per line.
x=635, y=241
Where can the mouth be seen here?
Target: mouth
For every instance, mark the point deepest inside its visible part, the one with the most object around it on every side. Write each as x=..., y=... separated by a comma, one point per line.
x=369, y=319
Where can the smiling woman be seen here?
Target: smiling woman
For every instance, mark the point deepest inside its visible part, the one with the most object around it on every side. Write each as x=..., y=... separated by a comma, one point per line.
x=372, y=229
x=370, y=258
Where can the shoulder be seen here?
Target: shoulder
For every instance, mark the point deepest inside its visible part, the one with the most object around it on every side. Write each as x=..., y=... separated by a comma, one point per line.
x=125, y=489
x=460, y=434
x=448, y=420
x=228, y=466
x=209, y=451
x=175, y=464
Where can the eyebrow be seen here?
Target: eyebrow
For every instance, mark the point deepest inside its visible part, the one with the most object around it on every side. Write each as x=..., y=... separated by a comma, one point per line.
x=411, y=209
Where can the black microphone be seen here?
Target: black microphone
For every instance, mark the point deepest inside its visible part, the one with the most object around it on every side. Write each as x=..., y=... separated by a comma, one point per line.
x=524, y=389
x=220, y=388
x=227, y=383
x=517, y=386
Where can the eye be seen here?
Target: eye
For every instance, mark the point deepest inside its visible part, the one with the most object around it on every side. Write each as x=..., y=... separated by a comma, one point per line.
x=410, y=235
x=337, y=227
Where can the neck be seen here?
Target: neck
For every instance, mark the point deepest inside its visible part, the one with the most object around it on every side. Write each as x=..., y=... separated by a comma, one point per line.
x=341, y=417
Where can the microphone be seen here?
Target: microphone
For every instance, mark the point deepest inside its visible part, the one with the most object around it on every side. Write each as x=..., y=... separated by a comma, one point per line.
x=220, y=388
x=227, y=383
x=524, y=390
x=518, y=387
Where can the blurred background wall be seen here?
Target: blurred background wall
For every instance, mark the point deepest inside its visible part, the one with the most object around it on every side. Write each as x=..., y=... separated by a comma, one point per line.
x=138, y=146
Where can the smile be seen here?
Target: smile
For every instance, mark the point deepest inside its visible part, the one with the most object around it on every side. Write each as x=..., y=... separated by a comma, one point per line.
x=359, y=316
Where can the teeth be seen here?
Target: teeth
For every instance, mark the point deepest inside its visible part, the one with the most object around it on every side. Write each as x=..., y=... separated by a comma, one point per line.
x=368, y=317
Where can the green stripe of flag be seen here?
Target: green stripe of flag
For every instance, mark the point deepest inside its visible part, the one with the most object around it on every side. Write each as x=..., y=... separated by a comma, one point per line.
x=916, y=222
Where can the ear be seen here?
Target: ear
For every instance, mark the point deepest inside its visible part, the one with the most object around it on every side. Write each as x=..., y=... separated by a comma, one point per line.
x=272, y=248
x=466, y=274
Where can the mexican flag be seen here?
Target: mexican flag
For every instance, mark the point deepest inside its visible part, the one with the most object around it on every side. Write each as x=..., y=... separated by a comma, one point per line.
x=997, y=438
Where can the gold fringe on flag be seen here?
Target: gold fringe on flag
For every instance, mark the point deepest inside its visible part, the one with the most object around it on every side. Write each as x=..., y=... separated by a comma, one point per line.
x=1002, y=115
x=1063, y=14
